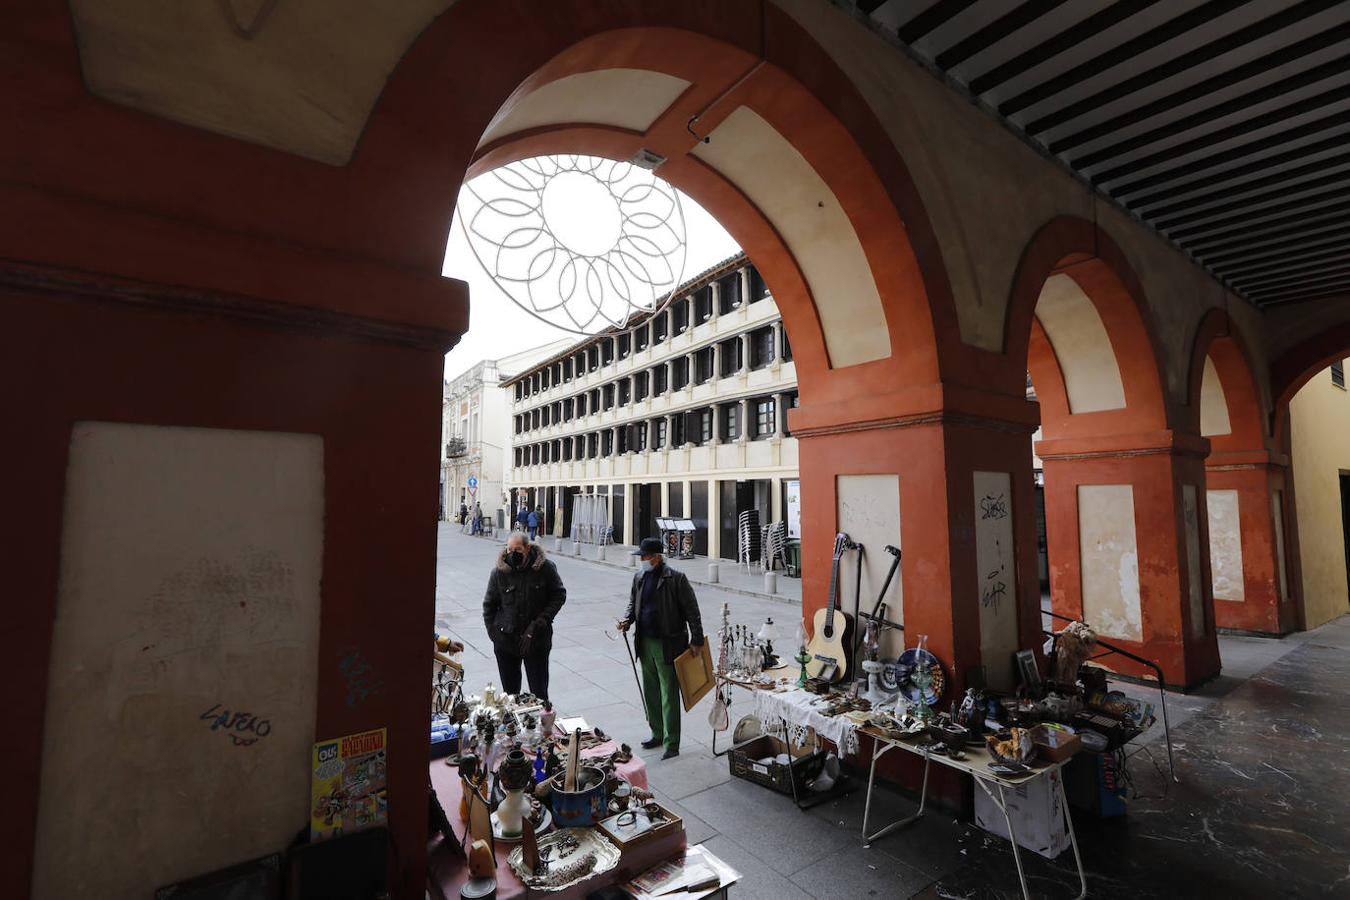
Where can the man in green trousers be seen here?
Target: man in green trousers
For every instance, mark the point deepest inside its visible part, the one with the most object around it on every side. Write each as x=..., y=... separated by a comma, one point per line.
x=663, y=606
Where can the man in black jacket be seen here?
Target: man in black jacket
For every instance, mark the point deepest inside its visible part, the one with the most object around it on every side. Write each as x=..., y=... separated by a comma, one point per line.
x=663, y=605
x=524, y=594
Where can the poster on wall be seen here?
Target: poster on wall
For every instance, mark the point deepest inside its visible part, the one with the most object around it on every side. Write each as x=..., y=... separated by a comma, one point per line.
x=793, y=491
x=348, y=785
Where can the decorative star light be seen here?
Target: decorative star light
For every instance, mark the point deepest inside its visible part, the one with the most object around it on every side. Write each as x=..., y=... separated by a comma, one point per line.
x=581, y=242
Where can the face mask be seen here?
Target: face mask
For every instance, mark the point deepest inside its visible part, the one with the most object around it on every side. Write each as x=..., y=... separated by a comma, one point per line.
x=645, y=565
x=515, y=558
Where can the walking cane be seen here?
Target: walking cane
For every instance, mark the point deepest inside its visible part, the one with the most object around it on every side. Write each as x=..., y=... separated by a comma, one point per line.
x=633, y=661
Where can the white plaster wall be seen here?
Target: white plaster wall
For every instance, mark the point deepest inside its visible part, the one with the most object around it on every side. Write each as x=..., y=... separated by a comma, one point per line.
x=752, y=155
x=189, y=585
x=1110, y=560
x=623, y=98
x=1190, y=506
x=868, y=508
x=1225, y=545
x=1213, y=406
x=996, y=568
x=1086, y=360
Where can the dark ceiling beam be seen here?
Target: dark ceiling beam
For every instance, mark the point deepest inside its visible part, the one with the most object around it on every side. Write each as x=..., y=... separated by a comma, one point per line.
x=1200, y=235
x=1309, y=256
x=931, y=18
x=1138, y=46
x=1257, y=31
x=1226, y=79
x=1335, y=68
x=1020, y=17
x=1327, y=284
x=1228, y=133
x=1241, y=151
x=1302, y=241
x=1289, y=273
x=1304, y=299
x=1265, y=164
x=1259, y=243
x=1190, y=211
x=1070, y=37
x=1316, y=273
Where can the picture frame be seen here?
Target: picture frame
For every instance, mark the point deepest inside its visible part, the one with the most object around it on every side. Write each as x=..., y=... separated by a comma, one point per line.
x=1028, y=673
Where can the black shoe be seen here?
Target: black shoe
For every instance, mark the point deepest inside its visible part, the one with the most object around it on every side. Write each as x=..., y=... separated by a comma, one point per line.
x=670, y=753
x=649, y=743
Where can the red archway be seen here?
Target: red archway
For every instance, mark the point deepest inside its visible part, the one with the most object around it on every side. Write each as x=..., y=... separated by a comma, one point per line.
x=1124, y=496
x=1253, y=534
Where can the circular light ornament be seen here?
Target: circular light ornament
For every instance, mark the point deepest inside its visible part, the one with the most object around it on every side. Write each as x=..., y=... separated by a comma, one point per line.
x=580, y=242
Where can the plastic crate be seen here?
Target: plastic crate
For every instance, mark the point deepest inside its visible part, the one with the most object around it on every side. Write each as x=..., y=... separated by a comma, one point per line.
x=744, y=760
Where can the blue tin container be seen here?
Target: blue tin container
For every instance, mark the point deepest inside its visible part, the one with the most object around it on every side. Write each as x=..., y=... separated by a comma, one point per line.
x=581, y=808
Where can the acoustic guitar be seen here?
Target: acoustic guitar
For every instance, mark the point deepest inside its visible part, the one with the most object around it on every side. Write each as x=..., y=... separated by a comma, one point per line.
x=831, y=635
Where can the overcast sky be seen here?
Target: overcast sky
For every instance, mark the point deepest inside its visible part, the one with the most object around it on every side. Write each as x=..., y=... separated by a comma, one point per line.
x=498, y=327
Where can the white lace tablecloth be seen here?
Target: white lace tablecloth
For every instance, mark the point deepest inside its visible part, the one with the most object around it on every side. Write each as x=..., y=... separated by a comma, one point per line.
x=802, y=711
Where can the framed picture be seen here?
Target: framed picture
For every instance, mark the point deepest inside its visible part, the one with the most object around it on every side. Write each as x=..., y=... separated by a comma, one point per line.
x=1024, y=661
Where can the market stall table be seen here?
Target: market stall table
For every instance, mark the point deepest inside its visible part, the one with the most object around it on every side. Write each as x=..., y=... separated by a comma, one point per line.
x=975, y=763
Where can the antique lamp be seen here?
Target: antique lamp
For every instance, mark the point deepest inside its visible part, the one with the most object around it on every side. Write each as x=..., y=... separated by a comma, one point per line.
x=768, y=633
x=802, y=656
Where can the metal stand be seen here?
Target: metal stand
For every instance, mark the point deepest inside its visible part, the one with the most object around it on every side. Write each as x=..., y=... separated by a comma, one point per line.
x=881, y=746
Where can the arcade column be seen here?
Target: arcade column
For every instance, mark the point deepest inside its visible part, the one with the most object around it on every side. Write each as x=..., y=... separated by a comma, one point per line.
x=1127, y=530
x=1248, y=502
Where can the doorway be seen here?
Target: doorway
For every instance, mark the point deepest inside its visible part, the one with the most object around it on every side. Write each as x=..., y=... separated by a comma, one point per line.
x=1345, y=525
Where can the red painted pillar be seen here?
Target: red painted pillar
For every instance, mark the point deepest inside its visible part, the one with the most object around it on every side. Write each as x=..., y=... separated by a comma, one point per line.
x=1249, y=510
x=1127, y=531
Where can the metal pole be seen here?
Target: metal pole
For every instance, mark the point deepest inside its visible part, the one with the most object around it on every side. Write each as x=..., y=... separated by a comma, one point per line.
x=632, y=660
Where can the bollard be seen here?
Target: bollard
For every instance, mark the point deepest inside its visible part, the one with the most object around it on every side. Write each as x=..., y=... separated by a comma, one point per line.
x=576, y=548
x=770, y=582
x=600, y=552
x=713, y=574
x=637, y=562
x=557, y=545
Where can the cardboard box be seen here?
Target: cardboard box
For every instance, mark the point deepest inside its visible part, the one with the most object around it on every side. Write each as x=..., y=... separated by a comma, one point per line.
x=1037, y=814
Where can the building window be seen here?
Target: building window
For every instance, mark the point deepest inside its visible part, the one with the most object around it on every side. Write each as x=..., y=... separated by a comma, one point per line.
x=607, y=351
x=659, y=436
x=641, y=337
x=728, y=293
x=677, y=431
x=703, y=308
x=761, y=348
x=1338, y=374
x=640, y=380
x=625, y=391
x=731, y=356
x=790, y=401
x=609, y=397
x=703, y=365
x=659, y=328
x=593, y=445
x=765, y=420
x=787, y=348
x=660, y=381
x=679, y=315
x=758, y=289
x=680, y=373
x=731, y=421
x=698, y=426
x=625, y=345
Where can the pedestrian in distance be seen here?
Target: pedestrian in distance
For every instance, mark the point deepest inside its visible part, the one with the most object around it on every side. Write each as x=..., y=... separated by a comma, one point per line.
x=477, y=518
x=663, y=606
x=523, y=519
x=532, y=522
x=463, y=513
x=524, y=595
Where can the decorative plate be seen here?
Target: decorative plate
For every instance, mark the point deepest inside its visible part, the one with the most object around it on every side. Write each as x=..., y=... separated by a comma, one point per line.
x=748, y=728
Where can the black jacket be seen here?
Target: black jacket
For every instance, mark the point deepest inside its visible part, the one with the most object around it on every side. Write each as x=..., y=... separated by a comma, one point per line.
x=678, y=621
x=524, y=600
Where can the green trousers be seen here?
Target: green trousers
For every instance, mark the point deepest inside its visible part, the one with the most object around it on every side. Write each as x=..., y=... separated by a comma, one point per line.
x=661, y=688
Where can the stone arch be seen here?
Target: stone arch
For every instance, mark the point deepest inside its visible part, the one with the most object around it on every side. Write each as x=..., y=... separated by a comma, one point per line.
x=1078, y=317
x=1224, y=398
x=1297, y=366
x=755, y=80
